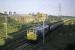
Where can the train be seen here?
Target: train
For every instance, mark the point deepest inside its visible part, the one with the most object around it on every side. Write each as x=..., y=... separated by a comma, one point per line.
x=34, y=34
x=37, y=32
x=42, y=30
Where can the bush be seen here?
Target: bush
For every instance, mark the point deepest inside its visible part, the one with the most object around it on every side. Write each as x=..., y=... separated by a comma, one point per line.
x=2, y=41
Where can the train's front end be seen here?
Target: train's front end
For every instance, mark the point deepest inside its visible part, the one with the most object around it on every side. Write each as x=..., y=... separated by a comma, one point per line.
x=31, y=35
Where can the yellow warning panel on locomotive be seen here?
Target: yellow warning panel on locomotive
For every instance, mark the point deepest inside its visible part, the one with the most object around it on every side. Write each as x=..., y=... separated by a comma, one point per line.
x=31, y=36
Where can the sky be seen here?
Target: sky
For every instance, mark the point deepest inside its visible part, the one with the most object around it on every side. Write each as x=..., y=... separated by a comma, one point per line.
x=50, y=7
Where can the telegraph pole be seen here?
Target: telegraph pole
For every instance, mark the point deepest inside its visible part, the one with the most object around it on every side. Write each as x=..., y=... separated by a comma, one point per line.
x=6, y=26
x=60, y=13
x=43, y=30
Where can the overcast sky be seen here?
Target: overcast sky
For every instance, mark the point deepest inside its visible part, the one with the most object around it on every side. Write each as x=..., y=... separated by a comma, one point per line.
x=46, y=6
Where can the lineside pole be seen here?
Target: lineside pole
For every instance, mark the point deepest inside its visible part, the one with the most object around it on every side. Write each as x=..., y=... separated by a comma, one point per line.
x=6, y=26
x=43, y=31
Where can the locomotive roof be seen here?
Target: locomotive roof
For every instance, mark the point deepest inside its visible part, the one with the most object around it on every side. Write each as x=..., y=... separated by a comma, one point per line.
x=41, y=27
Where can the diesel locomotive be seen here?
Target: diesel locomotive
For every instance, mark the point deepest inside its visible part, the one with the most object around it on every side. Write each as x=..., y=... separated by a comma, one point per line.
x=38, y=31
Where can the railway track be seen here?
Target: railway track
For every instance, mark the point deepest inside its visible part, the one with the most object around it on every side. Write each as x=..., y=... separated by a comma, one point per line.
x=19, y=44
x=16, y=43
x=13, y=45
x=24, y=47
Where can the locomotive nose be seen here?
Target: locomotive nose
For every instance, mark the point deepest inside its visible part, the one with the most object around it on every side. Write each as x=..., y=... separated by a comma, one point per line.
x=31, y=35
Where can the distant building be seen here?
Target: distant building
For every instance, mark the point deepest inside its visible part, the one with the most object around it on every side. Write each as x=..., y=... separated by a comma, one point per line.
x=10, y=13
x=14, y=13
x=5, y=12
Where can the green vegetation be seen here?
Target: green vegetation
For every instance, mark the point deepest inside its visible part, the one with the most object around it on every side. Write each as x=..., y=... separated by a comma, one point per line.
x=52, y=19
x=70, y=22
x=2, y=25
x=2, y=41
x=12, y=25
